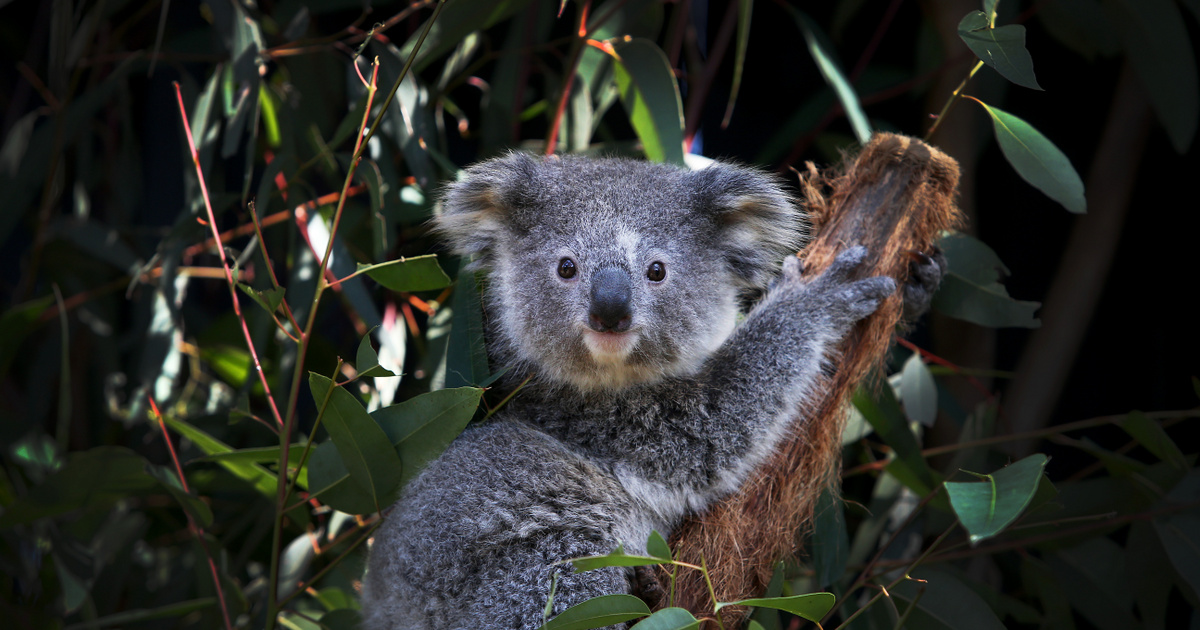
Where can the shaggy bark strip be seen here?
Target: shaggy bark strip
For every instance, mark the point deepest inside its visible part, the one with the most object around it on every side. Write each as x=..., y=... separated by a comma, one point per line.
x=897, y=196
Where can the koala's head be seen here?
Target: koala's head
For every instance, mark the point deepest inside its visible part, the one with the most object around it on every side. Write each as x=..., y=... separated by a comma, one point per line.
x=605, y=273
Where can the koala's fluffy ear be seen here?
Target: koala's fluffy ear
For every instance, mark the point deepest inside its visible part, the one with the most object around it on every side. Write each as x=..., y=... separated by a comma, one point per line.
x=476, y=209
x=760, y=222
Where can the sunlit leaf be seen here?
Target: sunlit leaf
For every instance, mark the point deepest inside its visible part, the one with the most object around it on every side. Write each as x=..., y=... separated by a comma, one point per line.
x=1002, y=48
x=294, y=562
x=986, y=507
x=365, y=450
x=813, y=606
x=599, y=612
x=1037, y=160
x=261, y=478
x=651, y=97
x=668, y=619
x=822, y=53
x=918, y=391
x=419, y=273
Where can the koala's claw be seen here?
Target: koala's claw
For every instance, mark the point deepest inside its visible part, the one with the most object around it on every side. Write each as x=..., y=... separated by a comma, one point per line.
x=924, y=275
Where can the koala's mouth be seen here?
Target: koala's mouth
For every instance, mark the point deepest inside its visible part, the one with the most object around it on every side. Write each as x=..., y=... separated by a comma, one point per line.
x=609, y=346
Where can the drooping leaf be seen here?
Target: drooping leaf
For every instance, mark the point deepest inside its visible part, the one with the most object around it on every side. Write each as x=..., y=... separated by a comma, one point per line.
x=421, y=427
x=885, y=416
x=1002, y=48
x=466, y=352
x=598, y=612
x=363, y=446
x=831, y=542
x=127, y=617
x=419, y=273
x=1157, y=44
x=986, y=507
x=199, y=510
x=366, y=361
x=947, y=600
x=918, y=391
x=1037, y=160
x=668, y=619
x=651, y=97
x=813, y=606
x=261, y=478
x=616, y=558
x=1179, y=531
x=971, y=290
x=822, y=53
x=657, y=546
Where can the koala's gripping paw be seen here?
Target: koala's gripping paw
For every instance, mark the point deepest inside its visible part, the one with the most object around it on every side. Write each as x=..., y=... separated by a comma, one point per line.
x=924, y=275
x=852, y=299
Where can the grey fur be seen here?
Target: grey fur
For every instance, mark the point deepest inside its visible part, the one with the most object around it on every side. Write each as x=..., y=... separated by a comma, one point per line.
x=610, y=439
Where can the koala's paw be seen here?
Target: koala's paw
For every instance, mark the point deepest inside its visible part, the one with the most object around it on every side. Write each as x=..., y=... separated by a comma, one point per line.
x=852, y=299
x=924, y=275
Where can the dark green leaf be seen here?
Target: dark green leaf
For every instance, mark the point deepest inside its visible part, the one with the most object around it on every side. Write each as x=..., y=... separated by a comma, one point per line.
x=1150, y=574
x=651, y=97
x=1089, y=599
x=949, y=601
x=1002, y=48
x=342, y=619
x=419, y=273
x=657, y=546
x=971, y=289
x=918, y=391
x=813, y=606
x=1151, y=435
x=466, y=354
x=884, y=414
x=668, y=619
x=15, y=324
x=745, y=12
x=617, y=558
x=366, y=361
x=453, y=26
x=831, y=542
x=127, y=617
x=362, y=445
x=598, y=612
x=985, y=508
x=90, y=480
x=421, y=427
x=329, y=482
x=1179, y=531
x=1037, y=160
x=199, y=510
x=1158, y=46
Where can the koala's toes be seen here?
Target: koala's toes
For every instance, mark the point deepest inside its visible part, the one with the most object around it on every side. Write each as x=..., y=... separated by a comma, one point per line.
x=846, y=262
x=924, y=275
x=865, y=296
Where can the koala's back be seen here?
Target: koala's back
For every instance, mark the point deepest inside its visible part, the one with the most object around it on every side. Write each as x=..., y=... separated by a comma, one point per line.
x=476, y=538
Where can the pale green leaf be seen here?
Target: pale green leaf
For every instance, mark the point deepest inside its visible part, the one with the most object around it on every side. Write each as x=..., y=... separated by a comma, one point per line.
x=1037, y=160
x=918, y=391
x=986, y=507
x=651, y=98
x=419, y=273
x=598, y=612
x=813, y=606
x=668, y=619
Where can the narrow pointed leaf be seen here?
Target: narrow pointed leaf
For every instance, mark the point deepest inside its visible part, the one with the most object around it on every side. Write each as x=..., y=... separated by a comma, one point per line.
x=329, y=482
x=365, y=450
x=618, y=558
x=269, y=299
x=745, y=12
x=599, y=612
x=1002, y=48
x=985, y=508
x=1151, y=435
x=813, y=606
x=419, y=273
x=1037, y=160
x=821, y=52
x=918, y=391
x=261, y=478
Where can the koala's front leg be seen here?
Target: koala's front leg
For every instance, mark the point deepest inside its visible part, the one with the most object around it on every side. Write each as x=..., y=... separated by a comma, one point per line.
x=767, y=370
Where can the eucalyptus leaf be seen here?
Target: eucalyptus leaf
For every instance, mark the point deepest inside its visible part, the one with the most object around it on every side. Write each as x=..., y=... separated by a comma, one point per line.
x=419, y=273
x=1037, y=160
x=813, y=606
x=329, y=482
x=821, y=50
x=668, y=619
x=651, y=98
x=657, y=546
x=261, y=478
x=1002, y=48
x=918, y=391
x=363, y=446
x=599, y=612
x=985, y=508
x=269, y=299
x=421, y=427
x=616, y=558
x=366, y=361
x=948, y=600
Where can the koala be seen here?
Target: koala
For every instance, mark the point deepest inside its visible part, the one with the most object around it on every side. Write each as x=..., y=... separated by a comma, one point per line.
x=616, y=286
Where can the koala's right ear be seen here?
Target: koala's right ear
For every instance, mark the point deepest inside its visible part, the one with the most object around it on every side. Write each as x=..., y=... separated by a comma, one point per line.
x=476, y=208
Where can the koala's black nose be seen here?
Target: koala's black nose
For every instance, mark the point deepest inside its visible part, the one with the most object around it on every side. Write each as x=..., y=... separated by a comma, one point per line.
x=611, y=301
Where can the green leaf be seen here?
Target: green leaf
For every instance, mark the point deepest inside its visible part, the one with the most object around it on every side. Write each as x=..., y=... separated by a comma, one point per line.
x=1179, y=531
x=822, y=53
x=421, y=427
x=329, y=482
x=366, y=361
x=15, y=324
x=261, y=478
x=258, y=455
x=657, y=546
x=616, y=558
x=813, y=606
x=831, y=542
x=598, y=612
x=948, y=601
x=1157, y=44
x=199, y=510
x=651, y=98
x=90, y=480
x=1002, y=48
x=668, y=619
x=745, y=12
x=884, y=414
x=361, y=443
x=419, y=273
x=1037, y=160
x=971, y=288
x=1151, y=435
x=918, y=391
x=170, y=611
x=985, y=508
x=466, y=354
x=269, y=300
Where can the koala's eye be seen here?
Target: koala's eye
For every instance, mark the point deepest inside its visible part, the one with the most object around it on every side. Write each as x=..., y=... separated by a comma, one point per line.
x=566, y=268
x=656, y=272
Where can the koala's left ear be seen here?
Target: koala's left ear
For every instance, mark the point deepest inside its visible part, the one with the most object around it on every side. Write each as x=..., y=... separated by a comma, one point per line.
x=477, y=209
x=760, y=223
